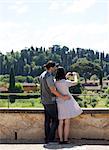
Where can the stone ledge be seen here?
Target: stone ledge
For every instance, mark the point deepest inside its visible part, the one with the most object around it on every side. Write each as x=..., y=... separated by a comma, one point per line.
x=41, y=110
x=21, y=110
x=27, y=124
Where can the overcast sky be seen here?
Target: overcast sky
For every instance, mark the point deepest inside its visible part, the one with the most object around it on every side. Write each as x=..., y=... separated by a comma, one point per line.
x=74, y=23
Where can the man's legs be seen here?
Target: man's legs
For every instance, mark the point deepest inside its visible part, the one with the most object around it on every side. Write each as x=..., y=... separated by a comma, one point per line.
x=51, y=121
x=54, y=126
x=47, y=123
x=54, y=121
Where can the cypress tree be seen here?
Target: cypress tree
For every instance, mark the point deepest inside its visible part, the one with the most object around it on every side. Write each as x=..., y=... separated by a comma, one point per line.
x=12, y=80
x=12, y=84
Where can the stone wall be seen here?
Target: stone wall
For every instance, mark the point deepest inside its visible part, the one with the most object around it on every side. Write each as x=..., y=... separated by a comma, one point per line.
x=26, y=125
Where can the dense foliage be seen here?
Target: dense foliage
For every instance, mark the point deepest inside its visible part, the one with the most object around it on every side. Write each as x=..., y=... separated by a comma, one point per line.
x=29, y=61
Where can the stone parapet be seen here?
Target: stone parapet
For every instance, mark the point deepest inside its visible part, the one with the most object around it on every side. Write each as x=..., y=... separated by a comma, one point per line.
x=21, y=125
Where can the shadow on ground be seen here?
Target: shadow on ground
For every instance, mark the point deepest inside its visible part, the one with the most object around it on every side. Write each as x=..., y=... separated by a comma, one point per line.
x=75, y=143
x=72, y=141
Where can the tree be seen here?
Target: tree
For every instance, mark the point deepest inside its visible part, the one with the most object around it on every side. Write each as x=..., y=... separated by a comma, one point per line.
x=94, y=77
x=12, y=80
x=101, y=79
x=40, y=59
x=27, y=69
x=12, y=84
x=23, y=61
x=85, y=68
x=101, y=71
x=1, y=63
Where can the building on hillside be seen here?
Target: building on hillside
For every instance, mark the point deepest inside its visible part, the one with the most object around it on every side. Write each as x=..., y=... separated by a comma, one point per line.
x=93, y=85
x=3, y=90
x=29, y=87
x=95, y=82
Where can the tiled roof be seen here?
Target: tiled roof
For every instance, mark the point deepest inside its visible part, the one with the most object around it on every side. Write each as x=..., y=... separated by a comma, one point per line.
x=3, y=89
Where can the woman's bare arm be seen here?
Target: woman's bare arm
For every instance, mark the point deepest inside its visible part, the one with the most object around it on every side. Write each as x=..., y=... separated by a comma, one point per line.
x=75, y=77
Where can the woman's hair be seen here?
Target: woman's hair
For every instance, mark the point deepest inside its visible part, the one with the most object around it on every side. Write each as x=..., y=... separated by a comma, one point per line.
x=60, y=74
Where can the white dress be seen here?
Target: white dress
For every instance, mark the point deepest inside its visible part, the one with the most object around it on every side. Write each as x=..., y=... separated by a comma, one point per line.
x=66, y=108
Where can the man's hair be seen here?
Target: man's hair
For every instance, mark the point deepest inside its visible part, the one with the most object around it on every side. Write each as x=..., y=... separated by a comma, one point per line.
x=50, y=64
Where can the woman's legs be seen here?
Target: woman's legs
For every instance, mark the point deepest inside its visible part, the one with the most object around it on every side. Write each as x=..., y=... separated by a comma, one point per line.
x=66, y=129
x=60, y=130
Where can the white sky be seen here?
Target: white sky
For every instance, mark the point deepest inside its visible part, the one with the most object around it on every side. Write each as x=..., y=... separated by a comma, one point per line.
x=73, y=23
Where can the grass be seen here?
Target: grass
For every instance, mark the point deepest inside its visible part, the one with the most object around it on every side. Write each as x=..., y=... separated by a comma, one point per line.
x=35, y=102
x=22, y=103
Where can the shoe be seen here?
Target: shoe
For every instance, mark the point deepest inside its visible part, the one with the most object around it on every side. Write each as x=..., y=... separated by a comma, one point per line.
x=52, y=143
x=46, y=141
x=66, y=142
x=61, y=142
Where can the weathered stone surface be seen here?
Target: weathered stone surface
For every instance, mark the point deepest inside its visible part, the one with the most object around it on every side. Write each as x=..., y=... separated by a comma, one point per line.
x=30, y=126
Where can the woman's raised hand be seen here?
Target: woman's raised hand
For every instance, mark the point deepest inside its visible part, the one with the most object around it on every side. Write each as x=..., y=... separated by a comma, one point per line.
x=68, y=74
x=75, y=74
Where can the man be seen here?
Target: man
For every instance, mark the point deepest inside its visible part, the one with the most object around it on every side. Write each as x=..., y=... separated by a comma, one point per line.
x=48, y=99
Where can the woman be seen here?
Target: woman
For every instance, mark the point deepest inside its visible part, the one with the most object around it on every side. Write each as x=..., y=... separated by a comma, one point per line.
x=66, y=109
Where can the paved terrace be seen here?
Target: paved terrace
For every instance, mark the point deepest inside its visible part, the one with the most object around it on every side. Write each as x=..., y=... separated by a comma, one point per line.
x=75, y=145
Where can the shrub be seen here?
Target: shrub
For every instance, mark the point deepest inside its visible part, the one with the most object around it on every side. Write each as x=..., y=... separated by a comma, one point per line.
x=29, y=79
x=77, y=89
x=107, y=90
x=18, y=88
x=20, y=79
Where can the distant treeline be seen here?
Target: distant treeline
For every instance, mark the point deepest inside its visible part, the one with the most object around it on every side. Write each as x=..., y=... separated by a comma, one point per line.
x=29, y=61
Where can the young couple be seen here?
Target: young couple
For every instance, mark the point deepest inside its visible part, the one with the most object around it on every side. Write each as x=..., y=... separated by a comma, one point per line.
x=59, y=105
